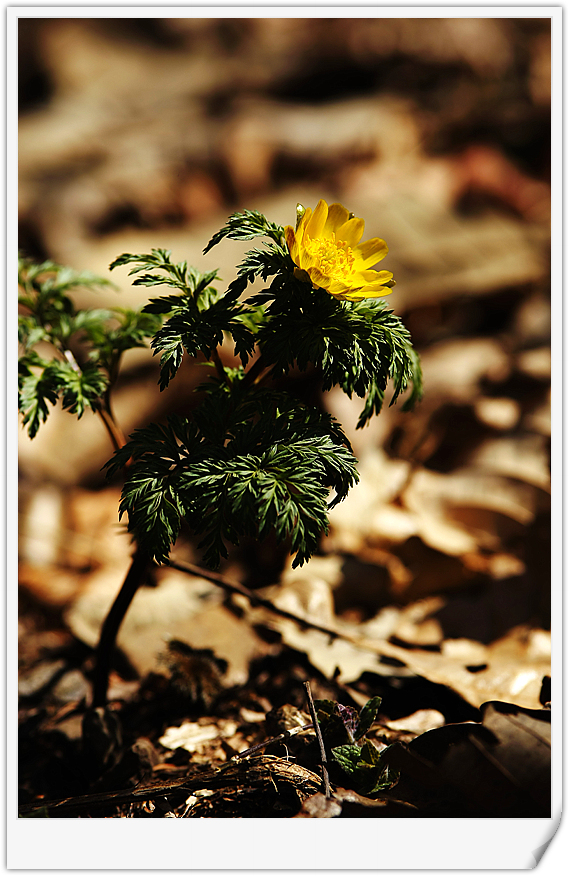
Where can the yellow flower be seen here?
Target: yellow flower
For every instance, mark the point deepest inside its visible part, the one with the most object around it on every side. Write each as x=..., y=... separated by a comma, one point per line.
x=327, y=252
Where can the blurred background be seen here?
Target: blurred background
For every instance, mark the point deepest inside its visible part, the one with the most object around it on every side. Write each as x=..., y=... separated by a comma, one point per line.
x=140, y=133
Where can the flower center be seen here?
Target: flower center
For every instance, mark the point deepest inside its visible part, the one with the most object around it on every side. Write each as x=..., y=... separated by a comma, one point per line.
x=335, y=257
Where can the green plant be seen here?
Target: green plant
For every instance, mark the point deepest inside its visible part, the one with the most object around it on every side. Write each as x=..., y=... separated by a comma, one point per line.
x=344, y=729
x=80, y=350
x=252, y=459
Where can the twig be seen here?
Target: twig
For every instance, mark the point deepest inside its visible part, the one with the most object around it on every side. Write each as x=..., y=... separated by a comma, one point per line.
x=286, y=735
x=254, y=599
x=323, y=758
x=380, y=647
x=258, y=771
x=116, y=435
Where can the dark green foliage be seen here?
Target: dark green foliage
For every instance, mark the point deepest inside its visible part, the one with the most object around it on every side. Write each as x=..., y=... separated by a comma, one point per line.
x=87, y=344
x=151, y=495
x=358, y=346
x=365, y=767
x=246, y=226
x=341, y=724
x=35, y=389
x=196, y=319
x=273, y=259
x=124, y=329
x=78, y=389
x=241, y=468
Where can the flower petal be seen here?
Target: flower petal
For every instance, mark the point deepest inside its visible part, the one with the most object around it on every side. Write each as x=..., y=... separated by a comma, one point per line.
x=351, y=231
x=363, y=278
x=319, y=279
x=338, y=289
x=373, y=292
x=316, y=225
x=301, y=230
x=290, y=239
x=370, y=252
x=337, y=216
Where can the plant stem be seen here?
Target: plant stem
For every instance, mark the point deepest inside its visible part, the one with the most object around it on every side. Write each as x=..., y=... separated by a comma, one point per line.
x=139, y=568
x=255, y=373
x=323, y=758
x=103, y=408
x=115, y=433
x=219, y=365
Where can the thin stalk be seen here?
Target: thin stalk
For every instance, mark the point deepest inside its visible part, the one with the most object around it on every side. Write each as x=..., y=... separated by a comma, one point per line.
x=139, y=569
x=114, y=431
x=323, y=758
x=103, y=409
x=255, y=373
x=216, y=358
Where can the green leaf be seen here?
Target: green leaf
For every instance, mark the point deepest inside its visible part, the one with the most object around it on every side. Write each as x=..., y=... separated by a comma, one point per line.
x=247, y=225
x=80, y=389
x=151, y=496
x=251, y=462
x=34, y=393
x=358, y=346
x=199, y=331
x=348, y=757
x=367, y=716
x=178, y=275
x=273, y=260
x=30, y=332
x=365, y=768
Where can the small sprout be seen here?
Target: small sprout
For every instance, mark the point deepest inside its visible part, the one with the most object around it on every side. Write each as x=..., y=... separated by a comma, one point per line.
x=344, y=730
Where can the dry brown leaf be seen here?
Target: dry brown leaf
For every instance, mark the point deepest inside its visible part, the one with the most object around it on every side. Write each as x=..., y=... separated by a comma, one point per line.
x=440, y=500
x=524, y=747
x=538, y=419
x=501, y=768
x=319, y=806
x=454, y=369
x=326, y=653
x=366, y=512
x=536, y=363
x=498, y=413
x=181, y=607
x=523, y=457
x=194, y=736
x=510, y=669
x=492, y=675
x=418, y=722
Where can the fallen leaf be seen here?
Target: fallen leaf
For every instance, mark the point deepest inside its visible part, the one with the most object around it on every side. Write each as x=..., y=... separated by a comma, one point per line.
x=453, y=370
x=498, y=413
x=193, y=736
x=523, y=457
x=418, y=722
x=501, y=768
x=319, y=806
x=181, y=607
x=535, y=362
